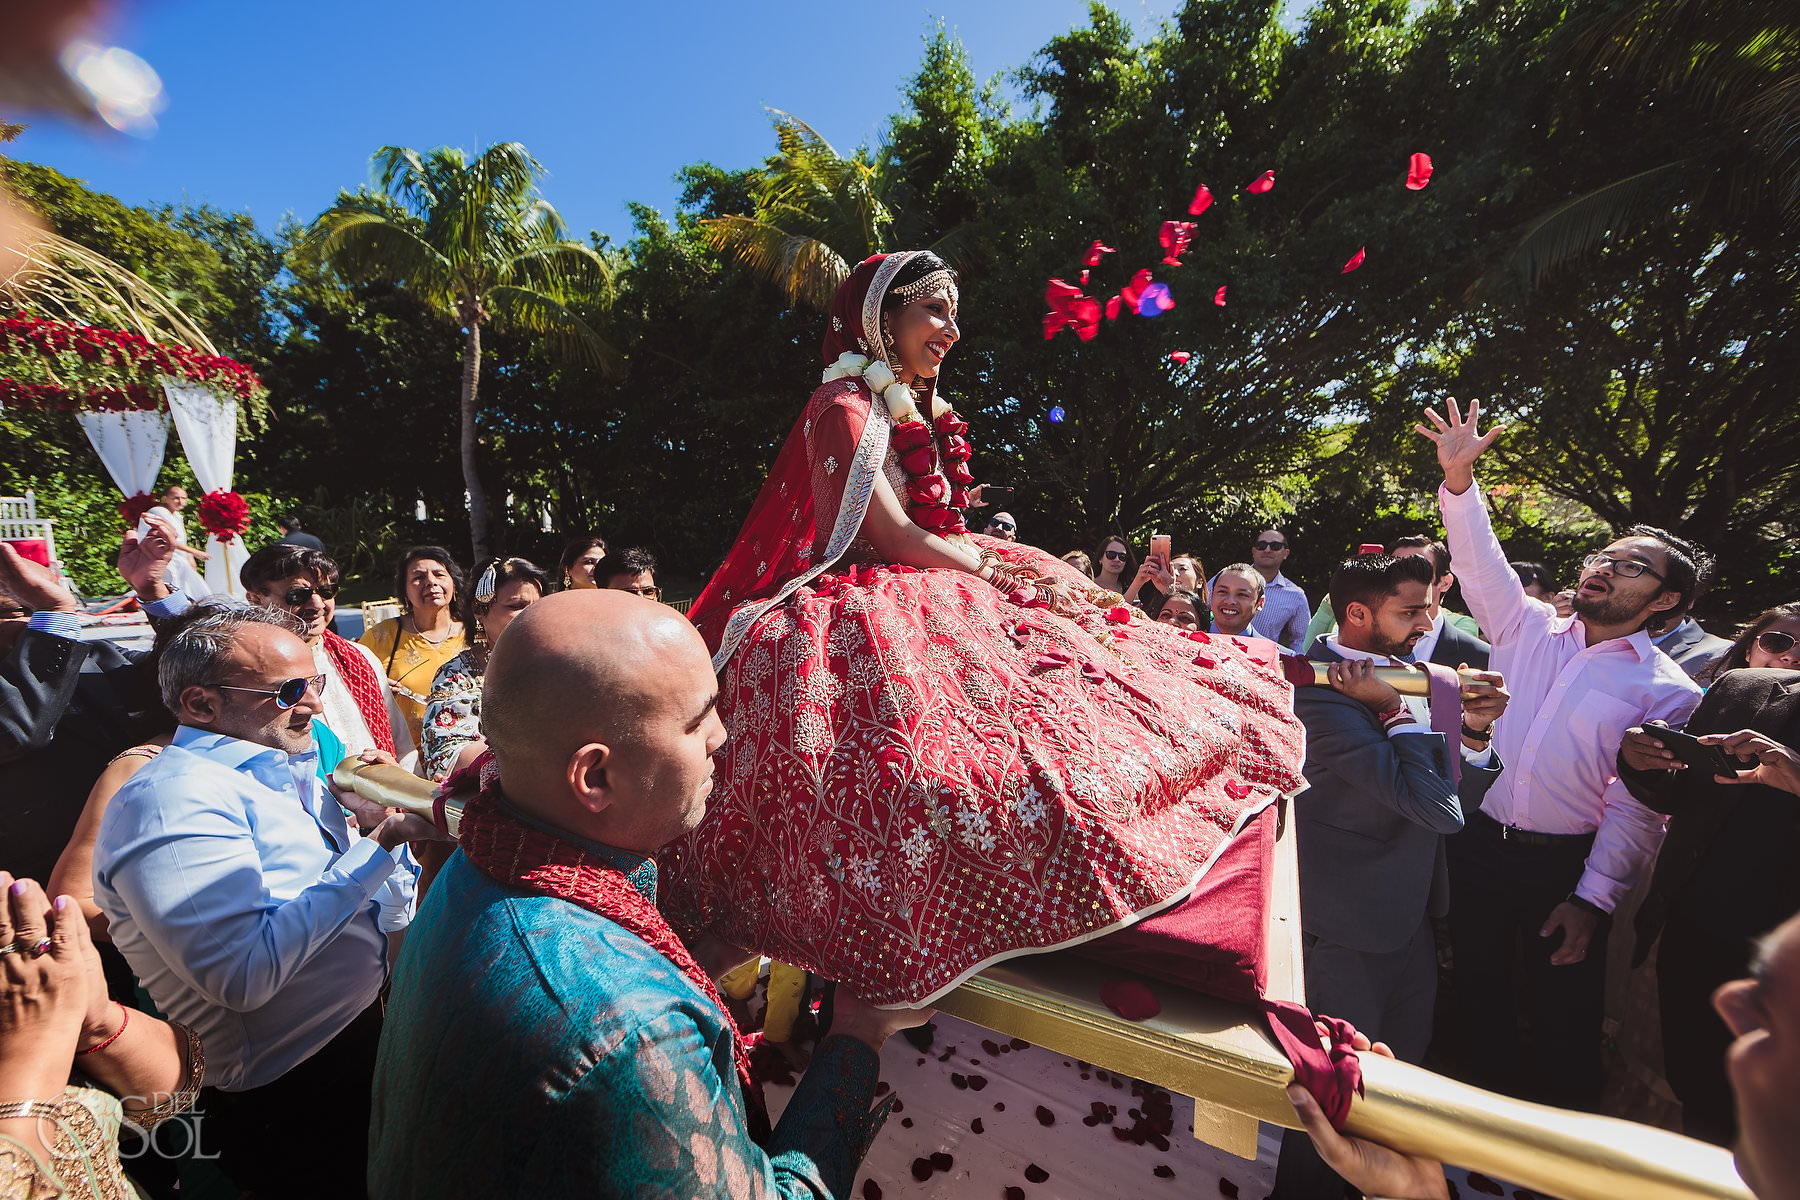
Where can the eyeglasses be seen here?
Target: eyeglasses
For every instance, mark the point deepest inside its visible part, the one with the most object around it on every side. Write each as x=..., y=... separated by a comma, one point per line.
x=652, y=592
x=1118, y=554
x=1006, y=525
x=295, y=597
x=1625, y=568
x=287, y=694
x=1775, y=641
x=1269, y=545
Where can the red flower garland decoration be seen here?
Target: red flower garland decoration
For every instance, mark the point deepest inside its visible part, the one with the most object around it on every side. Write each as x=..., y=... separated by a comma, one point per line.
x=224, y=514
x=134, y=507
x=935, y=496
x=88, y=368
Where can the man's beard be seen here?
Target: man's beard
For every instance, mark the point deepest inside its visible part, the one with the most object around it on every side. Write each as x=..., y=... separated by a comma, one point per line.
x=1396, y=649
x=1605, y=609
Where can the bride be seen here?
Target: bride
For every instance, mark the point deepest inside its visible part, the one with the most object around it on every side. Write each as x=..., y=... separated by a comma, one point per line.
x=945, y=749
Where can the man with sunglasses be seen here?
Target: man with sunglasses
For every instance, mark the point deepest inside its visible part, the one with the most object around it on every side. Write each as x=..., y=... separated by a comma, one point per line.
x=1284, y=612
x=250, y=908
x=1003, y=525
x=629, y=570
x=359, y=704
x=1559, y=840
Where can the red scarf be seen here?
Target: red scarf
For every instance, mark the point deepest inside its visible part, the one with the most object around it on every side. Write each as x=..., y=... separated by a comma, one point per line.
x=365, y=688
x=518, y=855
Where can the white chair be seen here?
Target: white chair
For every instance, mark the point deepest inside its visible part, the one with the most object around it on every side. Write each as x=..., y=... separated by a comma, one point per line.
x=19, y=522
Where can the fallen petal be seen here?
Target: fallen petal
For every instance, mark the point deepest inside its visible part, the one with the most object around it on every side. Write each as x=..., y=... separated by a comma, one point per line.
x=1238, y=791
x=1201, y=202
x=1356, y=260
x=1418, y=172
x=1261, y=183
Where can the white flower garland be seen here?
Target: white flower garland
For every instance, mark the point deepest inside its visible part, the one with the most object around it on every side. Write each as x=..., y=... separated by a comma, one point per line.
x=881, y=380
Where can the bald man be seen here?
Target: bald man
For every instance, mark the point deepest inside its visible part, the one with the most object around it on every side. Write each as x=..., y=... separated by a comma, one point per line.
x=548, y=1034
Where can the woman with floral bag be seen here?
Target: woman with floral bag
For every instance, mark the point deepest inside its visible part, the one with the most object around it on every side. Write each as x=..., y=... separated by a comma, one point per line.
x=945, y=749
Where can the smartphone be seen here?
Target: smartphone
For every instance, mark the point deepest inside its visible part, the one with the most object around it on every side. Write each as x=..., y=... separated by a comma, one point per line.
x=1698, y=756
x=36, y=549
x=996, y=496
x=1160, y=547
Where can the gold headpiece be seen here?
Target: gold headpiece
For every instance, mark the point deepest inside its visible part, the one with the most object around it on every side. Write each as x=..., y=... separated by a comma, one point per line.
x=927, y=284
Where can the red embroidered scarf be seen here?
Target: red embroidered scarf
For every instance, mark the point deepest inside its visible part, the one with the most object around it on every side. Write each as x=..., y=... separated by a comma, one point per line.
x=365, y=688
x=518, y=855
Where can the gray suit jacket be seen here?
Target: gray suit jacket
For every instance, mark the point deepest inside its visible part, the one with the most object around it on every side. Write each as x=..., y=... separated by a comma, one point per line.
x=1372, y=821
x=1693, y=649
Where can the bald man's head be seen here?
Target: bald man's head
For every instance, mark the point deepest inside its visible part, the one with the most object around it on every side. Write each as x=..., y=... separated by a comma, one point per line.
x=599, y=706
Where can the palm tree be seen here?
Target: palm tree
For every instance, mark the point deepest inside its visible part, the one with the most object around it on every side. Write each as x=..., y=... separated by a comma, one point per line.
x=817, y=214
x=1738, y=65
x=475, y=242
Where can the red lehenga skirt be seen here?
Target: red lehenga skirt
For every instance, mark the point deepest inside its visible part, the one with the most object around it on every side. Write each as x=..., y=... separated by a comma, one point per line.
x=924, y=776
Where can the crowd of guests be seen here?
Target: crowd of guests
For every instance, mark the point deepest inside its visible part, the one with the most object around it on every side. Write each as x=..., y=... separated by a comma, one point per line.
x=227, y=918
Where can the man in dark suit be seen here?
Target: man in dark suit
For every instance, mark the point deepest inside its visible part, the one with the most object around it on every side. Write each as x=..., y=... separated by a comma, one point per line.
x=1382, y=792
x=67, y=705
x=1726, y=873
x=1454, y=638
x=1693, y=649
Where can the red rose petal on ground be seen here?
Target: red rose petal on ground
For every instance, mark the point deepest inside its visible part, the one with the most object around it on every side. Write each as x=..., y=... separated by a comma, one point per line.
x=1180, y=356
x=1482, y=1183
x=1164, y=1171
x=1201, y=202
x=1219, y=297
x=1045, y=1118
x=942, y=1161
x=906, y=1122
x=921, y=1169
x=975, y=1126
x=991, y=1046
x=1236, y=790
x=1130, y=999
x=977, y=1082
x=1356, y=260
x=1013, y=1193
x=1228, y=1189
x=1036, y=1174
x=959, y=1082
x=1020, y=1044
x=1418, y=172
x=871, y=1190
x=1261, y=183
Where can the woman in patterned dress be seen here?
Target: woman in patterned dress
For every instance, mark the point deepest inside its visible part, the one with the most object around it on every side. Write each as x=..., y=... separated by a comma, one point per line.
x=945, y=749
x=505, y=588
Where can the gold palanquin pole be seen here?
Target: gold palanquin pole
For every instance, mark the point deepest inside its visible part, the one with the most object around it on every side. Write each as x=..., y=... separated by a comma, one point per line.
x=1220, y=1054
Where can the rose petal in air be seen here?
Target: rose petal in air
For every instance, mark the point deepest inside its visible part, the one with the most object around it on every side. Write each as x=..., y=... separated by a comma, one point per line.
x=1180, y=356
x=1155, y=301
x=1219, y=297
x=1418, y=172
x=1356, y=260
x=1094, y=253
x=1201, y=202
x=1261, y=183
x=1133, y=292
x=1112, y=309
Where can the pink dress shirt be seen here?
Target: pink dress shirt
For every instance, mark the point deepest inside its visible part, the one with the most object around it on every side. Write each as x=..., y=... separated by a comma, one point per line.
x=1571, y=705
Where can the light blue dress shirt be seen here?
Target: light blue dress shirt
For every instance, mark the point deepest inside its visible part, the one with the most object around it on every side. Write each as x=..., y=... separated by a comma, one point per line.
x=245, y=903
x=1284, y=614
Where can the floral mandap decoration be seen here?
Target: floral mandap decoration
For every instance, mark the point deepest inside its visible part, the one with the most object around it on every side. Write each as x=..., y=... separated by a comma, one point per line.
x=133, y=508
x=49, y=364
x=225, y=515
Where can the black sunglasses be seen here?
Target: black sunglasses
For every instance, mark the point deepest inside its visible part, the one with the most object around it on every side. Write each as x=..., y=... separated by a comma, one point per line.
x=287, y=694
x=1775, y=641
x=1118, y=554
x=1269, y=545
x=1006, y=525
x=295, y=597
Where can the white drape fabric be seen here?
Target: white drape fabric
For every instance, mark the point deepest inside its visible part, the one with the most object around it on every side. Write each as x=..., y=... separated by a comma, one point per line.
x=207, y=424
x=131, y=446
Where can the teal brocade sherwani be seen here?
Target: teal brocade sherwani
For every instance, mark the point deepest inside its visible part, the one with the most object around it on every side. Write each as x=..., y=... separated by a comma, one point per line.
x=534, y=1048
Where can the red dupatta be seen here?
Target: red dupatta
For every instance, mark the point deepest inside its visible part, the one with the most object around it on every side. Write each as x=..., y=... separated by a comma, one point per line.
x=812, y=504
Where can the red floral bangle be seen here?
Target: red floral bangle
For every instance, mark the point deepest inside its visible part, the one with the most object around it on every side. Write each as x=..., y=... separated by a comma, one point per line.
x=125, y=1015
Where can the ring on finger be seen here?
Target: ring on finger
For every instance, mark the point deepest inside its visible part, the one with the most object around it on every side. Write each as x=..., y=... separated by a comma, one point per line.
x=9, y=948
x=41, y=948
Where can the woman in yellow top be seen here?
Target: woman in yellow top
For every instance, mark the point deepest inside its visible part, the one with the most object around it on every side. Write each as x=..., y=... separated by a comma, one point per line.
x=428, y=634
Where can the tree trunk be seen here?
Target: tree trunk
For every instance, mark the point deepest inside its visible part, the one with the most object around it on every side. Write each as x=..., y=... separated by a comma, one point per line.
x=471, y=378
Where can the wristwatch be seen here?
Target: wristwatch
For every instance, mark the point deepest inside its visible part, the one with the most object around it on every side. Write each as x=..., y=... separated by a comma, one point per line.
x=1483, y=735
x=1582, y=902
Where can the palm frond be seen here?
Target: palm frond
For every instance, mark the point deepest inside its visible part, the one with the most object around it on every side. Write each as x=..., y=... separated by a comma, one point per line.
x=807, y=269
x=367, y=247
x=564, y=270
x=403, y=174
x=530, y=311
x=1577, y=227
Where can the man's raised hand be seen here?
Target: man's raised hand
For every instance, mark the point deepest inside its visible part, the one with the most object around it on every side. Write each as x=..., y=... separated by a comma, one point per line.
x=1459, y=443
x=144, y=560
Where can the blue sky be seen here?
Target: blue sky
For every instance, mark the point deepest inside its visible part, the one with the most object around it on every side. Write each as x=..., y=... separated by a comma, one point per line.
x=274, y=107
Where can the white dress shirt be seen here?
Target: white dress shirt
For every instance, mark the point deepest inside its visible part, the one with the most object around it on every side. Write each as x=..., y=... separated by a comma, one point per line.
x=344, y=715
x=1571, y=705
x=245, y=903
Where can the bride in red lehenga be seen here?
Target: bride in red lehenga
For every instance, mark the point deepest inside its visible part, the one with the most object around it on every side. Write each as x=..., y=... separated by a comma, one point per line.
x=945, y=749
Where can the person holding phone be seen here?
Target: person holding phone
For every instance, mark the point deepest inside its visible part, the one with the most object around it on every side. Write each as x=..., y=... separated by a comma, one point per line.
x=1726, y=871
